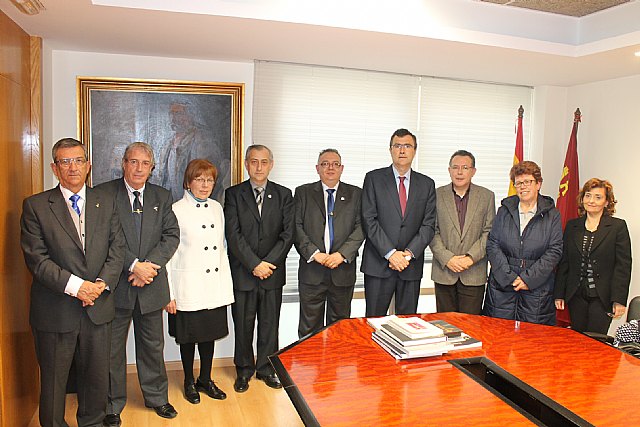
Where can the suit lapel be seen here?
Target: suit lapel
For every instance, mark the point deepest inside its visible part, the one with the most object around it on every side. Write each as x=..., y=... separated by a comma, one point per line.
x=577, y=228
x=318, y=197
x=91, y=215
x=389, y=184
x=450, y=208
x=126, y=217
x=250, y=200
x=604, y=228
x=150, y=210
x=61, y=212
x=472, y=209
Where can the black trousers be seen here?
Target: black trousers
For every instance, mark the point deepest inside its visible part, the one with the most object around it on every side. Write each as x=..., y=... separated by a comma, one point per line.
x=264, y=305
x=321, y=298
x=459, y=297
x=89, y=345
x=588, y=314
x=379, y=291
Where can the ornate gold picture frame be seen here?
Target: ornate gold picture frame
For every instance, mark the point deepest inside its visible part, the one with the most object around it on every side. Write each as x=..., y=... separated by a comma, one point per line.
x=181, y=120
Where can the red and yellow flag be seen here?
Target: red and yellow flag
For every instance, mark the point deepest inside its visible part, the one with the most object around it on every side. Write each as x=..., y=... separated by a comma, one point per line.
x=567, y=202
x=518, y=155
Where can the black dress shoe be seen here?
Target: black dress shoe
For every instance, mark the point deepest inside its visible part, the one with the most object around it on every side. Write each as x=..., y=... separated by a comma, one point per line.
x=271, y=380
x=211, y=389
x=190, y=392
x=166, y=411
x=241, y=385
x=112, y=420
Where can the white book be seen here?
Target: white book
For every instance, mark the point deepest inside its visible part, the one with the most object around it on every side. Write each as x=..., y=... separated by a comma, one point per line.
x=415, y=327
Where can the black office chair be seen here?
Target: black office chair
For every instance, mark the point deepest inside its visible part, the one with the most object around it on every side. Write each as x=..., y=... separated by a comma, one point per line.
x=633, y=313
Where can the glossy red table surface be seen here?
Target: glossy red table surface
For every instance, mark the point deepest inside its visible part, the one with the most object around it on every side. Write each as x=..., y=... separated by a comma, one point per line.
x=342, y=377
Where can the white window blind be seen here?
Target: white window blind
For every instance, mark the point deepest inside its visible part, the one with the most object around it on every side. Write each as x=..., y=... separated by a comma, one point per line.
x=300, y=110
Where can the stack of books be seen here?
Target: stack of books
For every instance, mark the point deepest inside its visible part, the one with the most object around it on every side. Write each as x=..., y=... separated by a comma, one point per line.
x=413, y=337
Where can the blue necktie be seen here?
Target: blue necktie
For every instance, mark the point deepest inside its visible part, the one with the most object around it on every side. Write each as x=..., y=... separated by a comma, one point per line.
x=330, y=206
x=74, y=203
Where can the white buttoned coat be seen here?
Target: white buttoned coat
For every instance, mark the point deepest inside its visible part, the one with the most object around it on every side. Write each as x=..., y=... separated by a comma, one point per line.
x=199, y=273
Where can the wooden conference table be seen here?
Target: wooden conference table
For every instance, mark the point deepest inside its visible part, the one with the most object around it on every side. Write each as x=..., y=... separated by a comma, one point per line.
x=340, y=376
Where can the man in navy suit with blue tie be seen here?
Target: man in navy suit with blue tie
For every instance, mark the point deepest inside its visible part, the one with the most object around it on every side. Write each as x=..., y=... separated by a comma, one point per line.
x=328, y=236
x=398, y=217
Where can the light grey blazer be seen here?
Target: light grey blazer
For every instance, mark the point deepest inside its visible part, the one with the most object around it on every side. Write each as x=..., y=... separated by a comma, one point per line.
x=449, y=240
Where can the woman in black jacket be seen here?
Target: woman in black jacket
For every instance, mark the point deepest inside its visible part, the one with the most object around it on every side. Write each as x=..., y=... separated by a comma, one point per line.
x=595, y=271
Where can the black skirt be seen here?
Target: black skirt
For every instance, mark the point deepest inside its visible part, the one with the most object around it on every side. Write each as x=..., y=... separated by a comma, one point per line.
x=198, y=326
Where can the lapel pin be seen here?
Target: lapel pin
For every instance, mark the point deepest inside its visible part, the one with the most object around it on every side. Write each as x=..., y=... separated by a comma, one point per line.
x=269, y=195
x=97, y=205
x=342, y=198
x=155, y=208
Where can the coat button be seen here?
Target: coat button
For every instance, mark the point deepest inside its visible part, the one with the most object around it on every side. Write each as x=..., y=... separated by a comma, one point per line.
x=212, y=226
x=215, y=247
x=206, y=248
x=204, y=226
x=206, y=205
x=197, y=205
x=216, y=268
x=208, y=271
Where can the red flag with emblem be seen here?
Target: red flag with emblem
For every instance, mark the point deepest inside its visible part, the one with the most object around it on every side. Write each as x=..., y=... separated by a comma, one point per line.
x=567, y=202
x=518, y=155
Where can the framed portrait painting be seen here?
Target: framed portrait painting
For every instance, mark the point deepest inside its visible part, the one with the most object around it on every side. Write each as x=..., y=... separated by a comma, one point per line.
x=180, y=120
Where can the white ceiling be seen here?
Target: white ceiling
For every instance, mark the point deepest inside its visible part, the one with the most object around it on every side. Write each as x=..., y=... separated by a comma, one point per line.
x=452, y=38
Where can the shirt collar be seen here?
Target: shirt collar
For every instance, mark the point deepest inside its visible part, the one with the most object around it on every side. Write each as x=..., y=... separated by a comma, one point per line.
x=456, y=194
x=531, y=211
x=66, y=193
x=325, y=187
x=254, y=186
x=130, y=188
x=396, y=174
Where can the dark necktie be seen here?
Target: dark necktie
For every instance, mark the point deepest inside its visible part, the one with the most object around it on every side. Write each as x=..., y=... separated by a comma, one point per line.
x=137, y=211
x=330, y=206
x=259, y=198
x=74, y=203
x=402, y=192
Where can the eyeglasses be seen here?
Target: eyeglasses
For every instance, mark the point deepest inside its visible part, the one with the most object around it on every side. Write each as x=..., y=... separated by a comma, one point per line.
x=135, y=162
x=400, y=146
x=66, y=163
x=524, y=183
x=202, y=181
x=325, y=164
x=464, y=168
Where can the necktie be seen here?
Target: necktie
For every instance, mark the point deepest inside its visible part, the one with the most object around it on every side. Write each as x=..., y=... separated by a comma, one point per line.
x=259, y=198
x=137, y=211
x=402, y=192
x=74, y=203
x=330, y=206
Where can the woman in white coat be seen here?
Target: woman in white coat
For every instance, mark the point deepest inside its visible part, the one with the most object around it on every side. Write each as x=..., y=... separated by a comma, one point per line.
x=199, y=279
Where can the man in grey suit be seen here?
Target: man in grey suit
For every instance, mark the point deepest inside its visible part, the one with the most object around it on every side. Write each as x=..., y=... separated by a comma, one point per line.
x=259, y=231
x=73, y=246
x=152, y=234
x=398, y=217
x=328, y=236
x=465, y=212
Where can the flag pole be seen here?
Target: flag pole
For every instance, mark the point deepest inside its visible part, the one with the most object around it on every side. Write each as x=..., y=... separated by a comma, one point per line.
x=519, y=150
